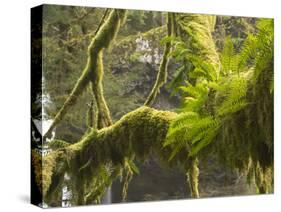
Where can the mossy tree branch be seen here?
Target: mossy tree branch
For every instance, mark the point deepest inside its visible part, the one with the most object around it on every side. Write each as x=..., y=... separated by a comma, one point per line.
x=93, y=71
x=138, y=134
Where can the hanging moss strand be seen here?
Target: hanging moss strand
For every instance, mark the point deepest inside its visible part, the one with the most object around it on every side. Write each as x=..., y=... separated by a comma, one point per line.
x=127, y=180
x=193, y=178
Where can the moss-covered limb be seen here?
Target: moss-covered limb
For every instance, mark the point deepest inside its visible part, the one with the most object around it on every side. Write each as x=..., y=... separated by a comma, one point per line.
x=193, y=177
x=58, y=144
x=137, y=134
x=162, y=72
x=102, y=20
x=101, y=40
x=108, y=31
x=103, y=114
x=197, y=31
x=104, y=38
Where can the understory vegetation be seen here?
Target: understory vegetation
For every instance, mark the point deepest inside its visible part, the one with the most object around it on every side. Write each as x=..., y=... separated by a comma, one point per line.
x=218, y=69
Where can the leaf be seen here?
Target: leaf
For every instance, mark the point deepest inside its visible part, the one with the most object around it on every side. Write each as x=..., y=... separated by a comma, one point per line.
x=203, y=143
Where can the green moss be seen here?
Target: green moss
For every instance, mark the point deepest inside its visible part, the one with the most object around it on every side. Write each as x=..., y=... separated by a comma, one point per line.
x=103, y=114
x=58, y=144
x=137, y=134
x=54, y=167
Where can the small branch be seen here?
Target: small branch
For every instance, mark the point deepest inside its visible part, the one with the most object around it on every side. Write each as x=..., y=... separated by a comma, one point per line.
x=162, y=73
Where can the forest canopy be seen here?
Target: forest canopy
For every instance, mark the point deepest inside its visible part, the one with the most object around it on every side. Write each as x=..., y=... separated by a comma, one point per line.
x=107, y=107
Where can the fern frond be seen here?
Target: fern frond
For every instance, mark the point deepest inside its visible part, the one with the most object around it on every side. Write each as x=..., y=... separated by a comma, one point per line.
x=209, y=136
x=229, y=58
x=235, y=93
x=248, y=50
x=179, y=77
x=183, y=117
x=202, y=69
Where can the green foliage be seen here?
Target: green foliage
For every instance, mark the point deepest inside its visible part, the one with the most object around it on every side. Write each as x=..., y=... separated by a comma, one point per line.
x=228, y=58
x=195, y=49
x=227, y=114
x=232, y=93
